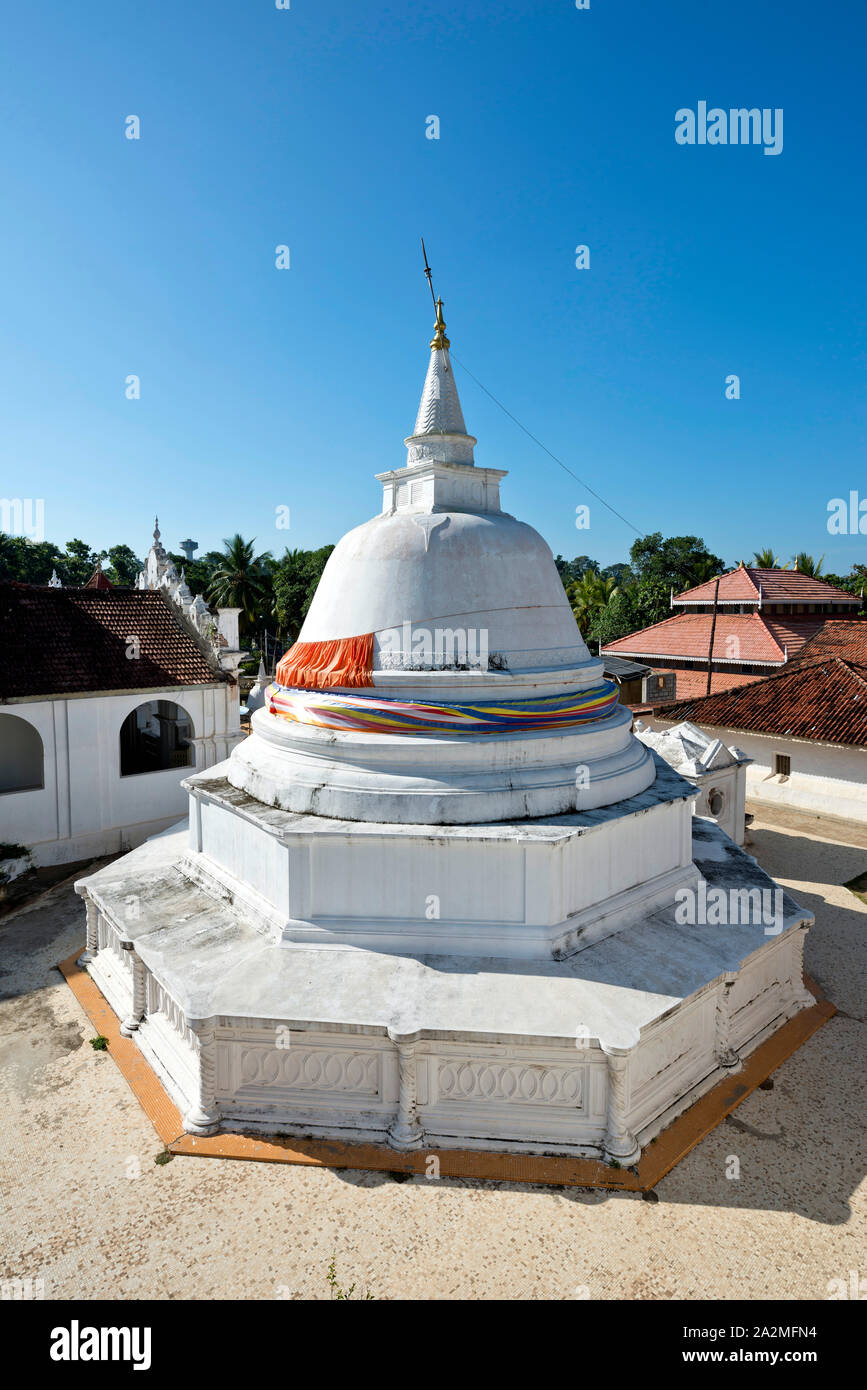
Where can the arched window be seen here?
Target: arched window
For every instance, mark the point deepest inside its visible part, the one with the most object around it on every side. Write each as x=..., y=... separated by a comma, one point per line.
x=716, y=801
x=22, y=757
x=154, y=737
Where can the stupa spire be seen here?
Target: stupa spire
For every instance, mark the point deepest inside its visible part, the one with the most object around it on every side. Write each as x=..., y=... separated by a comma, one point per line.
x=440, y=411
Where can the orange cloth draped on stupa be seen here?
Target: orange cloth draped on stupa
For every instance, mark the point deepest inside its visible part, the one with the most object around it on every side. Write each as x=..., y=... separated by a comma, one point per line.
x=322, y=665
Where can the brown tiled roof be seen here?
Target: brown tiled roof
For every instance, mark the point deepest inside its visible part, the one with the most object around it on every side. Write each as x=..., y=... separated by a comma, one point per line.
x=777, y=586
x=845, y=637
x=74, y=641
x=823, y=700
x=98, y=580
x=751, y=637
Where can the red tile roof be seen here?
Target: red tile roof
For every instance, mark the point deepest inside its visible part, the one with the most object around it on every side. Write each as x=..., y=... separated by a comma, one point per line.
x=777, y=586
x=75, y=641
x=737, y=586
x=739, y=637
x=825, y=701
x=845, y=637
x=98, y=580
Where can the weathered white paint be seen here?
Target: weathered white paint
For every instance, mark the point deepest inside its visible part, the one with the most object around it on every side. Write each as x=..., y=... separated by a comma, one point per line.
x=719, y=772
x=592, y=1055
x=533, y=888
x=85, y=808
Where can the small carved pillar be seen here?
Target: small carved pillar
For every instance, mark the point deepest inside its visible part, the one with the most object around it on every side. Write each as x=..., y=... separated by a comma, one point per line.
x=139, y=992
x=621, y=1146
x=725, y=1054
x=91, y=938
x=406, y=1131
x=203, y=1117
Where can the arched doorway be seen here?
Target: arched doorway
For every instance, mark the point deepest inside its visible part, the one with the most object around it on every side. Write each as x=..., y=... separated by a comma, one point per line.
x=155, y=737
x=22, y=756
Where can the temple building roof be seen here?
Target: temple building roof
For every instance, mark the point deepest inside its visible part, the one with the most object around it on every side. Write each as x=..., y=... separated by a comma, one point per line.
x=76, y=641
x=844, y=637
x=97, y=580
x=739, y=638
x=762, y=587
x=825, y=701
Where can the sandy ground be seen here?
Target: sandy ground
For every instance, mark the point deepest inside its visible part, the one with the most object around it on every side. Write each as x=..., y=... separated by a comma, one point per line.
x=88, y=1212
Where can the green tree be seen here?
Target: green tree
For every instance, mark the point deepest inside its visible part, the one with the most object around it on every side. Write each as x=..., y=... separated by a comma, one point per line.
x=124, y=566
x=78, y=563
x=238, y=581
x=652, y=601
x=630, y=608
x=617, y=619
x=588, y=596
x=198, y=573
x=26, y=561
x=295, y=577
x=805, y=564
x=620, y=573
x=571, y=571
x=680, y=562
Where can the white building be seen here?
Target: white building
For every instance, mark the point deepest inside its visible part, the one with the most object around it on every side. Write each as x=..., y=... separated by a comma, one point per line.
x=804, y=732
x=719, y=772
x=442, y=780
x=108, y=699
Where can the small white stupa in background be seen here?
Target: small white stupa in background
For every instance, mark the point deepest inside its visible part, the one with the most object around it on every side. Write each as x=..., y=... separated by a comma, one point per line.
x=441, y=895
x=256, y=697
x=719, y=773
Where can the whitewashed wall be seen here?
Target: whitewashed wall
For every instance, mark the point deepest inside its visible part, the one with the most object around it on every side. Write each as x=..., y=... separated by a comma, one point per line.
x=827, y=779
x=85, y=807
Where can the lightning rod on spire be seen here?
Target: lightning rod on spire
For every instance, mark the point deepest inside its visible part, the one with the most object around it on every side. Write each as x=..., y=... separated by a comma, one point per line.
x=428, y=274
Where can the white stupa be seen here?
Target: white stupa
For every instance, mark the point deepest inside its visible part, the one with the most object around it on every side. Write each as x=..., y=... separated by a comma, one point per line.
x=434, y=897
x=463, y=605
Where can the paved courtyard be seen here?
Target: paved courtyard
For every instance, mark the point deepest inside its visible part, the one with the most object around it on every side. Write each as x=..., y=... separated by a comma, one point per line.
x=87, y=1211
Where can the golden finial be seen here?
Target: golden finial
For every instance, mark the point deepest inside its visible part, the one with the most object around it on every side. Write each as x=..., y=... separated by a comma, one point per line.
x=439, y=339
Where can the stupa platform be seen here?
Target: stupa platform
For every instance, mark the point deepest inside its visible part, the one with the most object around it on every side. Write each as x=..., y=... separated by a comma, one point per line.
x=593, y=1055
x=532, y=888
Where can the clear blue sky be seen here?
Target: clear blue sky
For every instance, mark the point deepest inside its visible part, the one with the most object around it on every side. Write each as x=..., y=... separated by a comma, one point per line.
x=306, y=127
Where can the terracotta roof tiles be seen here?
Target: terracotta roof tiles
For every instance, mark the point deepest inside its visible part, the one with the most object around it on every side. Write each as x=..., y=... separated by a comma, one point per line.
x=825, y=701
x=739, y=637
x=845, y=637
x=75, y=641
x=777, y=586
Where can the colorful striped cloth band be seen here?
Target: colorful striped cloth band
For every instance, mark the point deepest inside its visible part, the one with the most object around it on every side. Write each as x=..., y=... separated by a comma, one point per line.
x=383, y=716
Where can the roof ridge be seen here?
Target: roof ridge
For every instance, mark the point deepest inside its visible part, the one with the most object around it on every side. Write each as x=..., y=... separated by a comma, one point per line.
x=188, y=627
x=850, y=667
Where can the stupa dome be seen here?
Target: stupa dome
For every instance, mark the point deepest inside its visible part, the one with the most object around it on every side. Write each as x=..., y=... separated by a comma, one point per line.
x=440, y=676
x=476, y=569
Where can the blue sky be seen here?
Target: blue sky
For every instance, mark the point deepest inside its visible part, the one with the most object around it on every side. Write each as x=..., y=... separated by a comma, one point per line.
x=263, y=388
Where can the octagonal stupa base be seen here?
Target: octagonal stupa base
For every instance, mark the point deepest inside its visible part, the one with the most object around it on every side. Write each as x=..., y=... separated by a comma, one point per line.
x=592, y=1055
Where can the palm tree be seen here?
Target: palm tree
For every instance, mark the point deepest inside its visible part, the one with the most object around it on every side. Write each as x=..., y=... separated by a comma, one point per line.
x=704, y=568
x=589, y=595
x=767, y=560
x=805, y=564
x=238, y=581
